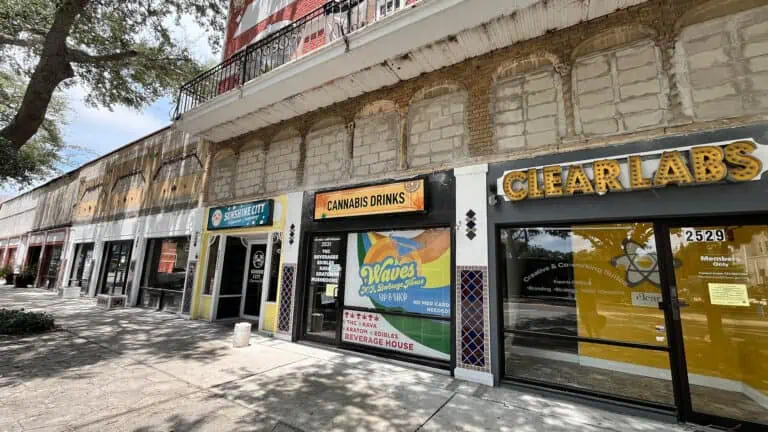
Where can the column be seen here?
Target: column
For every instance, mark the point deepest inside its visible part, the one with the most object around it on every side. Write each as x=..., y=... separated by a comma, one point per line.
x=286, y=313
x=473, y=350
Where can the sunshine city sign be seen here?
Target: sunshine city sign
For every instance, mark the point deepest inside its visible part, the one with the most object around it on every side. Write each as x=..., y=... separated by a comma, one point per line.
x=731, y=161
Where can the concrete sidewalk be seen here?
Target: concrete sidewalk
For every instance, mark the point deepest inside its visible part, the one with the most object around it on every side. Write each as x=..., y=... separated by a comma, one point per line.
x=136, y=370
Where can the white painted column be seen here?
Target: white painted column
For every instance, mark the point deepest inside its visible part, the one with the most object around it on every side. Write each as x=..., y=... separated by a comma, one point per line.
x=473, y=350
x=286, y=313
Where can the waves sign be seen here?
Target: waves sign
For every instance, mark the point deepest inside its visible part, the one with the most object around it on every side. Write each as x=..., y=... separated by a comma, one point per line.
x=252, y=214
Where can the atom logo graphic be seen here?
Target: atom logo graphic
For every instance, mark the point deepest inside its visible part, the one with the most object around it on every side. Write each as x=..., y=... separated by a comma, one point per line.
x=641, y=265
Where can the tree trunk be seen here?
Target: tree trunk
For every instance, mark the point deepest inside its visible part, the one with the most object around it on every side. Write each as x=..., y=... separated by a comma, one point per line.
x=53, y=68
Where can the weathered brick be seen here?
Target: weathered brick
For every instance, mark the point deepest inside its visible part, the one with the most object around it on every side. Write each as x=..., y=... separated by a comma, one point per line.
x=711, y=77
x=510, y=130
x=758, y=64
x=633, y=57
x=756, y=49
x=510, y=116
x=601, y=127
x=645, y=103
x=592, y=99
x=597, y=112
x=640, y=88
x=712, y=93
x=643, y=120
x=541, y=97
x=759, y=30
x=537, y=111
x=719, y=108
x=641, y=73
x=542, y=124
x=592, y=68
x=509, y=144
x=708, y=59
x=594, y=84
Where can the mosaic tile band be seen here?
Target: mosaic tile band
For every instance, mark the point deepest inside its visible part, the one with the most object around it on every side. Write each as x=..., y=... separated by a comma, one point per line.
x=472, y=340
x=284, y=314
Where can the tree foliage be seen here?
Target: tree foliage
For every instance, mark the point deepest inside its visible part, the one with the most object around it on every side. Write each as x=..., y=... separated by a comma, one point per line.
x=41, y=156
x=123, y=52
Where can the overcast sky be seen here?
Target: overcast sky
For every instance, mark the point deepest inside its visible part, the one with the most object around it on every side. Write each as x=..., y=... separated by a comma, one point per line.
x=100, y=130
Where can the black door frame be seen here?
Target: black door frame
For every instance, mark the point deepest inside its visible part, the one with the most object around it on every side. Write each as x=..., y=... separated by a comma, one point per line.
x=302, y=321
x=683, y=408
x=105, y=266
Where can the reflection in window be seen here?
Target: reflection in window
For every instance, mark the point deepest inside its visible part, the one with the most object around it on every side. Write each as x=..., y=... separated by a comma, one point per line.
x=564, y=286
x=210, y=271
x=166, y=263
x=274, y=267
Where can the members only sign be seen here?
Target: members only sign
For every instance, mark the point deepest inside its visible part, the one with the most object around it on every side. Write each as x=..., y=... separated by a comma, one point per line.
x=252, y=214
x=730, y=161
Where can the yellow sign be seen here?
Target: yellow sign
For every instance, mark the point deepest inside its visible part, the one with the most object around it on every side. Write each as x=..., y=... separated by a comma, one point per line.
x=331, y=290
x=401, y=197
x=728, y=294
x=737, y=161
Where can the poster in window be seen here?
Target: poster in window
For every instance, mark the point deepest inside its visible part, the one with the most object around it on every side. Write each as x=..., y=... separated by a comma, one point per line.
x=400, y=272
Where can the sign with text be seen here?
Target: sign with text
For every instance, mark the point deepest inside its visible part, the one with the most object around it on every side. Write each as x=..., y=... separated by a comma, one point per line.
x=252, y=214
x=376, y=330
x=730, y=161
x=401, y=197
x=395, y=273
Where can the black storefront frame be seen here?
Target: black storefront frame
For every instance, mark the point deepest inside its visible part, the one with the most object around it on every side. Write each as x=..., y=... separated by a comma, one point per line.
x=440, y=210
x=664, y=208
x=683, y=408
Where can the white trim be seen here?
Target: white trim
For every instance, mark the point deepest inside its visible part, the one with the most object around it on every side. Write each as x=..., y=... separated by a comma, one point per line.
x=756, y=395
x=283, y=337
x=470, y=170
x=217, y=275
x=474, y=376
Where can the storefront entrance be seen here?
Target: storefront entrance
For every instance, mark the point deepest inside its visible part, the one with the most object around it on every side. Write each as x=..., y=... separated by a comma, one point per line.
x=117, y=256
x=245, y=282
x=669, y=315
x=378, y=273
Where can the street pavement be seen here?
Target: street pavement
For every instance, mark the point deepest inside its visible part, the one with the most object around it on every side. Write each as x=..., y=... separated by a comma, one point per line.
x=138, y=370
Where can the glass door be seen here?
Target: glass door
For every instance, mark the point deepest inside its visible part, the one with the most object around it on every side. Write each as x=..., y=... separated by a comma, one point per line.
x=720, y=277
x=117, y=258
x=254, y=280
x=233, y=272
x=325, y=286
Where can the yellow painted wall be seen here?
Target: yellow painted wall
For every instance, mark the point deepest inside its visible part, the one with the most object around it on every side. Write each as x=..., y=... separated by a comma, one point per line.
x=269, y=315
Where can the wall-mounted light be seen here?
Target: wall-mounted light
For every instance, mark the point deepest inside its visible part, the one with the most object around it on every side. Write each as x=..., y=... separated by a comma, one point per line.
x=493, y=199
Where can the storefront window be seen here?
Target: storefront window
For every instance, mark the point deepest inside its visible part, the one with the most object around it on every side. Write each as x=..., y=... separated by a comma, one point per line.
x=51, y=263
x=210, y=271
x=571, y=295
x=166, y=262
x=81, y=268
x=397, y=293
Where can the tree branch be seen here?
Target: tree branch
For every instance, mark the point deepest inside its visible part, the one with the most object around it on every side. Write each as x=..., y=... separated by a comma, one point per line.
x=19, y=42
x=80, y=56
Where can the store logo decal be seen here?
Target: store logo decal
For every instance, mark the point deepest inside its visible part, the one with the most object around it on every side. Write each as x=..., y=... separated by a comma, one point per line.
x=640, y=264
x=217, y=217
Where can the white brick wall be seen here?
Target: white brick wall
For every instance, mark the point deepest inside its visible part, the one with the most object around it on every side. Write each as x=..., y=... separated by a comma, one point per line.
x=250, y=171
x=723, y=66
x=223, y=170
x=282, y=164
x=437, y=131
x=327, y=155
x=528, y=111
x=620, y=90
x=376, y=144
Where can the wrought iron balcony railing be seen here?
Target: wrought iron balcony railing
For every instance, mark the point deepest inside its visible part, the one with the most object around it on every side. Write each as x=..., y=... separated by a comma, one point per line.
x=334, y=20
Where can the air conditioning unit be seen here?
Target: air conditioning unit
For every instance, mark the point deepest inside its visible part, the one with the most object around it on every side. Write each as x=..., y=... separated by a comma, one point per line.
x=107, y=301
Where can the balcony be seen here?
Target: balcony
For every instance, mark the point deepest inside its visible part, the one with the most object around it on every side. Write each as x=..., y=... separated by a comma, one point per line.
x=348, y=47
